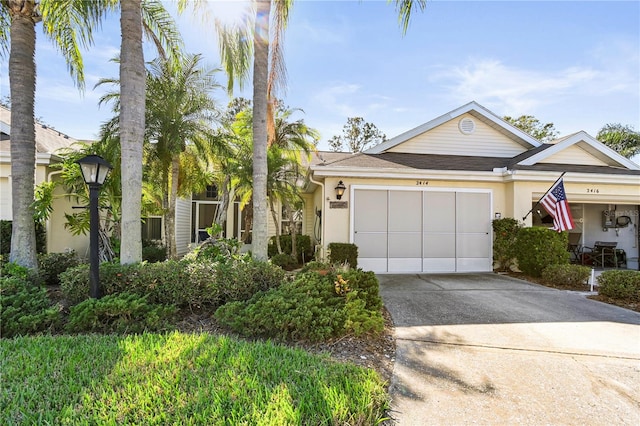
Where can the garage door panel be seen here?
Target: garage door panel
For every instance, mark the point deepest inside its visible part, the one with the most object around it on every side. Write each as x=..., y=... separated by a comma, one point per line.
x=473, y=212
x=371, y=244
x=439, y=265
x=405, y=211
x=439, y=211
x=370, y=209
x=473, y=245
x=405, y=265
x=440, y=245
x=405, y=245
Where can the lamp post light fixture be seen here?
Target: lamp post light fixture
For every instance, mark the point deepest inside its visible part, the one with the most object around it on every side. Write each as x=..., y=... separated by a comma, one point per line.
x=94, y=171
x=340, y=188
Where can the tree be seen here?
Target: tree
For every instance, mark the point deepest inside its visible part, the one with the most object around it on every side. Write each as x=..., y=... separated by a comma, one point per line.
x=622, y=139
x=531, y=125
x=132, y=109
x=69, y=25
x=179, y=116
x=357, y=135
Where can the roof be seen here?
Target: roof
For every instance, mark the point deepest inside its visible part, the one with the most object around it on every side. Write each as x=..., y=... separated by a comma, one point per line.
x=48, y=140
x=394, y=160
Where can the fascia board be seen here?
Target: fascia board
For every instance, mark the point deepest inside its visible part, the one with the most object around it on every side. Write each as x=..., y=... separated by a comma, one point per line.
x=572, y=177
x=581, y=136
x=410, y=174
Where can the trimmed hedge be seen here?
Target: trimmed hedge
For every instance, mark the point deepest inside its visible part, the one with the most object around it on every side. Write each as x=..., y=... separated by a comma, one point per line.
x=566, y=275
x=343, y=253
x=620, y=284
x=505, y=232
x=536, y=248
x=51, y=265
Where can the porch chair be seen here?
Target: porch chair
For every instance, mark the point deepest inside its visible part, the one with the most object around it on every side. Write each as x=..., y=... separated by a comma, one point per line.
x=601, y=255
x=574, y=247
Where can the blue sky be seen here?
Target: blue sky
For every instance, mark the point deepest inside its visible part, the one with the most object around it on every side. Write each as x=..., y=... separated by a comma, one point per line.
x=575, y=64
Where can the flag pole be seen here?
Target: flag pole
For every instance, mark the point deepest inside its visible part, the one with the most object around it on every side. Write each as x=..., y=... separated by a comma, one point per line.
x=544, y=195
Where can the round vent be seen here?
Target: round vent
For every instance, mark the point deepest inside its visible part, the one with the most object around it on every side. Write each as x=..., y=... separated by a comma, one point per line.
x=467, y=126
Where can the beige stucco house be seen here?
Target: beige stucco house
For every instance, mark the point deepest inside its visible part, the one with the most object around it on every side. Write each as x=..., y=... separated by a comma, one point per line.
x=424, y=201
x=48, y=142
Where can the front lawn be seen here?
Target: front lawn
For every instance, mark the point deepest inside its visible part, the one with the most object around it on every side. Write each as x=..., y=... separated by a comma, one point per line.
x=179, y=378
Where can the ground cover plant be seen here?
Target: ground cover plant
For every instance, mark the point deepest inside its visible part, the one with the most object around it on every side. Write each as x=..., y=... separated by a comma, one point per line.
x=179, y=378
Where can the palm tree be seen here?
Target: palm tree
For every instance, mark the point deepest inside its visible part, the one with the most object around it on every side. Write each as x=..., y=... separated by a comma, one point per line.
x=132, y=109
x=69, y=25
x=179, y=116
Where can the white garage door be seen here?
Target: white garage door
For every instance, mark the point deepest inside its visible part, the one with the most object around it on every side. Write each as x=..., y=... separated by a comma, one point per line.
x=422, y=231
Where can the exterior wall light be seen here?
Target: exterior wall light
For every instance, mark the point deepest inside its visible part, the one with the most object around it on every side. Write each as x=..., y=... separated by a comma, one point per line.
x=340, y=188
x=94, y=171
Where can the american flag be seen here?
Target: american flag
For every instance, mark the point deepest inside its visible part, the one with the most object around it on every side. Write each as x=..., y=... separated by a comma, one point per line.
x=556, y=204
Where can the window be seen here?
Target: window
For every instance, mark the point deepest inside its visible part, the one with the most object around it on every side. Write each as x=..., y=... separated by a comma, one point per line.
x=152, y=228
x=212, y=191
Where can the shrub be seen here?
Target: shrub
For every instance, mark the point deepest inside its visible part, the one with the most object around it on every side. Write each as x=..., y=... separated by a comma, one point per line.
x=315, y=266
x=153, y=252
x=172, y=282
x=216, y=250
x=310, y=308
x=537, y=248
x=240, y=279
x=118, y=313
x=51, y=265
x=620, y=284
x=25, y=308
x=303, y=246
x=504, y=242
x=343, y=253
x=283, y=260
x=566, y=275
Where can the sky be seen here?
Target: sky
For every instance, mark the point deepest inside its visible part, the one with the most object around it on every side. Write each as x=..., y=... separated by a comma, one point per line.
x=575, y=64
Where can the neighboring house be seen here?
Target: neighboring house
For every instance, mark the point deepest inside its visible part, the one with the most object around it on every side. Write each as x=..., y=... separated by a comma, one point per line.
x=424, y=201
x=48, y=142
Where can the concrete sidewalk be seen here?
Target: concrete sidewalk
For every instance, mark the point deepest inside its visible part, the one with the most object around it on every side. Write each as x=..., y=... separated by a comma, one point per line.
x=489, y=349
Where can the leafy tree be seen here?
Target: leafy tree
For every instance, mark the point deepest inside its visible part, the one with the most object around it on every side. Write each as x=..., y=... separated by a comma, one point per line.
x=69, y=25
x=531, y=125
x=357, y=135
x=622, y=139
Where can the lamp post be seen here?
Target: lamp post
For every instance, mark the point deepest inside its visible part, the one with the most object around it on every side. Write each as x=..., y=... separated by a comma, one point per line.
x=94, y=171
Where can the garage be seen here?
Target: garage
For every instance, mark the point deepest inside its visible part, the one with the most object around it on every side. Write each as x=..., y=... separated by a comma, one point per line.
x=422, y=230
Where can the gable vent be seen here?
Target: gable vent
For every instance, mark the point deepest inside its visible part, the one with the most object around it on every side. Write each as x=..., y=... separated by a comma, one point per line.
x=467, y=126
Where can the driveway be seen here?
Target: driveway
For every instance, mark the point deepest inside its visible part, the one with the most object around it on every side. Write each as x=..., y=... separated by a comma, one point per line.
x=490, y=349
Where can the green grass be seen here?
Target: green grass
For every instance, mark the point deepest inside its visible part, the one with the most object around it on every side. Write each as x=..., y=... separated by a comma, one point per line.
x=179, y=379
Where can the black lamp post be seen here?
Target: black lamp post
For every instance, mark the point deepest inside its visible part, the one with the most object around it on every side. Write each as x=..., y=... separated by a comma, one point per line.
x=94, y=171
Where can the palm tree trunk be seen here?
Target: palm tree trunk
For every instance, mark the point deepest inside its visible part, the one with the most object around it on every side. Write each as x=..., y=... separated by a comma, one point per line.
x=22, y=86
x=221, y=213
x=260, y=77
x=132, y=102
x=274, y=215
x=293, y=231
x=165, y=209
x=171, y=216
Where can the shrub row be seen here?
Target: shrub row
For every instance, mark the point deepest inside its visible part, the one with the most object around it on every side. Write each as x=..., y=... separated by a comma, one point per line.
x=343, y=253
x=303, y=247
x=311, y=308
x=566, y=275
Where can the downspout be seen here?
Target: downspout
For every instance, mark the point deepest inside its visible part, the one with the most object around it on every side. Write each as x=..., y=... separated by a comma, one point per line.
x=322, y=239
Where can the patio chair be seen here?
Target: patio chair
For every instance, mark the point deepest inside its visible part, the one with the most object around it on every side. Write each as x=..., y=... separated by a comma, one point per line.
x=574, y=247
x=603, y=254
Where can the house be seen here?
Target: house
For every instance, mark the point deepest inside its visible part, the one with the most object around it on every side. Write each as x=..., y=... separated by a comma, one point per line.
x=424, y=201
x=49, y=142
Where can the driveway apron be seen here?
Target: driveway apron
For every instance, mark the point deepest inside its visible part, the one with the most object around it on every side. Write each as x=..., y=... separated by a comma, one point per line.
x=490, y=349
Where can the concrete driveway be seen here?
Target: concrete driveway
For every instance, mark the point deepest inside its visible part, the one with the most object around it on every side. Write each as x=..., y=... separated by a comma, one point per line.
x=489, y=349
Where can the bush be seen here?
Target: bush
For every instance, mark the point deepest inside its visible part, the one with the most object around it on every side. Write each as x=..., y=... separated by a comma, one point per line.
x=505, y=232
x=343, y=253
x=537, y=248
x=119, y=313
x=177, y=283
x=240, y=279
x=51, y=265
x=25, y=308
x=566, y=275
x=620, y=284
x=303, y=246
x=311, y=308
x=216, y=250
x=283, y=260
x=153, y=252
